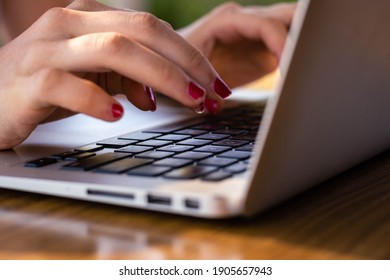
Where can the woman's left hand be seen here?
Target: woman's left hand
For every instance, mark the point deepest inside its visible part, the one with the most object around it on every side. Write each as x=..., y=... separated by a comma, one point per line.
x=243, y=43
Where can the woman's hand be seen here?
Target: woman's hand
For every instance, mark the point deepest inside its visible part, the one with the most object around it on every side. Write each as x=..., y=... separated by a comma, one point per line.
x=243, y=43
x=74, y=59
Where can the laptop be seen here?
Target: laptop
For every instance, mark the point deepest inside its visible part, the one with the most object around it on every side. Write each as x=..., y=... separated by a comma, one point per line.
x=330, y=111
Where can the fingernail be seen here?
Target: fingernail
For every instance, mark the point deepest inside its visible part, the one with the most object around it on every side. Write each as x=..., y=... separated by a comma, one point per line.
x=152, y=97
x=200, y=108
x=221, y=88
x=195, y=91
x=211, y=105
x=117, y=110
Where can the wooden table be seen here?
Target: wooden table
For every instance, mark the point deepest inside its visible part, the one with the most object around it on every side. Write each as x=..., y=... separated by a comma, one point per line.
x=347, y=217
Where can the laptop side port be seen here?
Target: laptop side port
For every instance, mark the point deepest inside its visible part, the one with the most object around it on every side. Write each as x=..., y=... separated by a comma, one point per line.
x=110, y=194
x=192, y=204
x=159, y=200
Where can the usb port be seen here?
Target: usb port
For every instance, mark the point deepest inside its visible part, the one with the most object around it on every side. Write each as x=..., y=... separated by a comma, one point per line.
x=192, y=204
x=160, y=200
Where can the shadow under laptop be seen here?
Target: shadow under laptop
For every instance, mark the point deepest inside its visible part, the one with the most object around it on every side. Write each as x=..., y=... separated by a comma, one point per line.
x=343, y=218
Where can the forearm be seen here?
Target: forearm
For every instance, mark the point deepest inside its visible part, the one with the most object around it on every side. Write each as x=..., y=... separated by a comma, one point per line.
x=18, y=15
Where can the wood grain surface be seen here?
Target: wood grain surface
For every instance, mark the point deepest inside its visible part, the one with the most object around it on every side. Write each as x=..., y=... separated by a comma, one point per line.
x=347, y=217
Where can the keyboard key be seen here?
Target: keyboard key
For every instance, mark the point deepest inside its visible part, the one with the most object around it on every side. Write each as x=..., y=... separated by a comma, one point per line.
x=218, y=162
x=255, y=116
x=116, y=143
x=236, y=168
x=244, y=126
x=80, y=156
x=173, y=137
x=149, y=171
x=173, y=162
x=245, y=137
x=140, y=136
x=208, y=126
x=176, y=148
x=67, y=154
x=212, y=149
x=155, y=143
x=227, y=123
x=231, y=131
x=246, y=148
x=89, y=148
x=192, y=132
x=169, y=128
x=231, y=143
x=40, y=162
x=193, y=155
x=217, y=176
x=190, y=172
x=194, y=142
x=123, y=165
x=134, y=149
x=94, y=162
x=235, y=154
x=155, y=155
x=212, y=136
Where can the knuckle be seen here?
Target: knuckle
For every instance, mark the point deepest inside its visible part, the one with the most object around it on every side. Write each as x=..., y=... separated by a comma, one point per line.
x=84, y=4
x=110, y=43
x=53, y=17
x=228, y=8
x=276, y=24
x=145, y=21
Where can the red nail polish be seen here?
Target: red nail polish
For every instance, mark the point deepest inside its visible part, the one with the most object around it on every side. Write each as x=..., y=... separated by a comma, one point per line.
x=211, y=105
x=195, y=91
x=221, y=88
x=117, y=110
x=152, y=97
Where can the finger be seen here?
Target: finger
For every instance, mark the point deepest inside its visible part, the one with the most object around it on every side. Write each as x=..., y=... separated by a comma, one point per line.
x=140, y=96
x=230, y=22
x=273, y=33
x=99, y=7
x=91, y=6
x=213, y=106
x=143, y=97
x=283, y=12
x=54, y=87
x=146, y=29
x=104, y=52
x=113, y=83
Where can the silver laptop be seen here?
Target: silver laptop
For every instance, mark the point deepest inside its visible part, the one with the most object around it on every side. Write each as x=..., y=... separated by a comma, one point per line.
x=330, y=111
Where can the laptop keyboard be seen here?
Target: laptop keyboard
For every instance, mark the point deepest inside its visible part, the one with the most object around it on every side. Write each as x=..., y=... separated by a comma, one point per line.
x=213, y=148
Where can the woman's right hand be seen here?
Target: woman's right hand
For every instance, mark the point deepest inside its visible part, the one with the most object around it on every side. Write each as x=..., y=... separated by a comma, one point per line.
x=74, y=59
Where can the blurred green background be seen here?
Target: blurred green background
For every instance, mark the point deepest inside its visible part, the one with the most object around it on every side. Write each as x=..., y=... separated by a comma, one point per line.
x=182, y=12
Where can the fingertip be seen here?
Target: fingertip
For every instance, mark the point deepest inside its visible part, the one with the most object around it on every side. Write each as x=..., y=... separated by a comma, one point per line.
x=211, y=106
x=152, y=97
x=117, y=111
x=221, y=88
x=196, y=91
